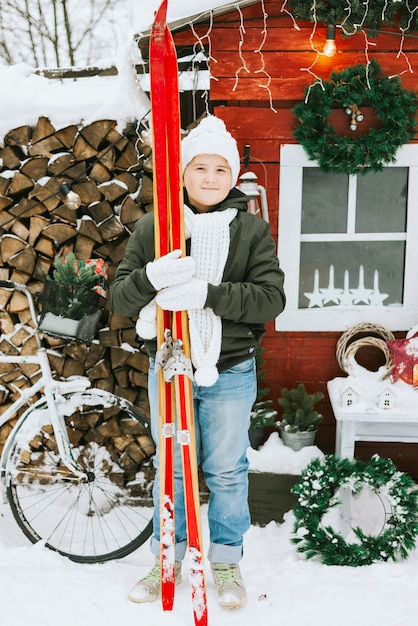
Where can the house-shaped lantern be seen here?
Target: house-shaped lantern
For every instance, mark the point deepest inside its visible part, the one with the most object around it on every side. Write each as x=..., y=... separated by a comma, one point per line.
x=386, y=399
x=349, y=397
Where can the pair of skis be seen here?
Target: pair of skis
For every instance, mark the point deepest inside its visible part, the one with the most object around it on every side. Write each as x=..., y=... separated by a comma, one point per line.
x=173, y=358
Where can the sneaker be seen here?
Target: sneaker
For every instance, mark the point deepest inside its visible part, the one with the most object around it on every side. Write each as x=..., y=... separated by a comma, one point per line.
x=148, y=589
x=229, y=585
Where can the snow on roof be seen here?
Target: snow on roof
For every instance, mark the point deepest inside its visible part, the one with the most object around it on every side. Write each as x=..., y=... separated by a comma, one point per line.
x=142, y=13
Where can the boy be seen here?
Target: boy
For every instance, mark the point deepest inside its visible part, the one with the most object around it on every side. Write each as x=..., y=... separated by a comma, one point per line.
x=231, y=284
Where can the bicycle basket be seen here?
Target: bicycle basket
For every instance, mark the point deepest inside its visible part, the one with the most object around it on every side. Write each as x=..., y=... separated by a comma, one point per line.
x=71, y=311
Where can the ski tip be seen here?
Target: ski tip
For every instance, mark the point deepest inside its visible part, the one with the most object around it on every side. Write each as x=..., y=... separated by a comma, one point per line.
x=168, y=599
x=201, y=619
x=160, y=20
x=199, y=600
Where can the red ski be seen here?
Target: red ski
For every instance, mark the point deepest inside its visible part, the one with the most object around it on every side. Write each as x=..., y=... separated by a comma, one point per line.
x=173, y=333
x=162, y=247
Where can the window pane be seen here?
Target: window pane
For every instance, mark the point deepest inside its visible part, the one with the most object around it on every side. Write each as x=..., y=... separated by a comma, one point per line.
x=324, y=202
x=351, y=274
x=382, y=201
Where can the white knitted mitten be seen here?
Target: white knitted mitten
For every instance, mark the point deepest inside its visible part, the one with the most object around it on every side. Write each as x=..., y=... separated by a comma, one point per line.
x=170, y=269
x=146, y=325
x=188, y=295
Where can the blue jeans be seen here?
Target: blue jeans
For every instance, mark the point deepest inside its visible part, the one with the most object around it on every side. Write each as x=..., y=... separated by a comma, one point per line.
x=222, y=418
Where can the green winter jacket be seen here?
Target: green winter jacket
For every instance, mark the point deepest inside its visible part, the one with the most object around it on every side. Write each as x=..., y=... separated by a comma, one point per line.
x=250, y=294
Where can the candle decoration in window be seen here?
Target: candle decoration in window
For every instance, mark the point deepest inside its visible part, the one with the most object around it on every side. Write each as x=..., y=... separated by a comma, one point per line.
x=320, y=297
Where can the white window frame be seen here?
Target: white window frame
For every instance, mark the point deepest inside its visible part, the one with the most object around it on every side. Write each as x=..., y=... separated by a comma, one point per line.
x=293, y=159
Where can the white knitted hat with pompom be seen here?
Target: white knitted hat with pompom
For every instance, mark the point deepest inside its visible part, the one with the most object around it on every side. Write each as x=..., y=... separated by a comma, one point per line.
x=210, y=136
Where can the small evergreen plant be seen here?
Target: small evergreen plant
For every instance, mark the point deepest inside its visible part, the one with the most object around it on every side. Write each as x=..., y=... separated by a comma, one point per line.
x=298, y=410
x=262, y=413
x=78, y=284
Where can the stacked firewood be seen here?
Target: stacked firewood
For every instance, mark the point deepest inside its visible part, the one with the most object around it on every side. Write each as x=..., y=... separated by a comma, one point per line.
x=111, y=171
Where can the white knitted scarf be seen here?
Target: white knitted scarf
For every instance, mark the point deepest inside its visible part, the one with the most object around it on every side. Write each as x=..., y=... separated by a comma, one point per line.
x=209, y=233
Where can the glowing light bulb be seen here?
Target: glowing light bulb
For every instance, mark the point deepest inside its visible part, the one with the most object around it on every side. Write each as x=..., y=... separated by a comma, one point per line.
x=72, y=199
x=330, y=48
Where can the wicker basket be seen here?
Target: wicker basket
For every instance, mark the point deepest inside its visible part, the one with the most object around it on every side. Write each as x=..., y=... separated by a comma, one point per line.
x=56, y=322
x=348, y=345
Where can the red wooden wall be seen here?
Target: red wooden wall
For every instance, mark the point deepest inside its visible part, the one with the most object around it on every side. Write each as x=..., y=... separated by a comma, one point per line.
x=263, y=119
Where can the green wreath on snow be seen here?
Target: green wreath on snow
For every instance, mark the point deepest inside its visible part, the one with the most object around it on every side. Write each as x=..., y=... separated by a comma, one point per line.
x=356, y=86
x=317, y=492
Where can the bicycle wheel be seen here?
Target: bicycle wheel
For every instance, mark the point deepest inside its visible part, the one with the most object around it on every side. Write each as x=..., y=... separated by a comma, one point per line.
x=107, y=515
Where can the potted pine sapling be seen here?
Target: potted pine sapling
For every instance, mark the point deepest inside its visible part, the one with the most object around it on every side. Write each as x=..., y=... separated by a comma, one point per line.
x=299, y=421
x=73, y=299
x=262, y=416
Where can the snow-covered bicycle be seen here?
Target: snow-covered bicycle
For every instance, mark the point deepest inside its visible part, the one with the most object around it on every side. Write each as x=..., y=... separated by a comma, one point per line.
x=66, y=468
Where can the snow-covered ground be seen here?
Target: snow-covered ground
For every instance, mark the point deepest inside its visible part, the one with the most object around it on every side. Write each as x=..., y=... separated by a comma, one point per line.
x=41, y=588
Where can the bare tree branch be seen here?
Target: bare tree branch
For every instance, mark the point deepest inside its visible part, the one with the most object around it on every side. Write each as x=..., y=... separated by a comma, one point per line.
x=59, y=32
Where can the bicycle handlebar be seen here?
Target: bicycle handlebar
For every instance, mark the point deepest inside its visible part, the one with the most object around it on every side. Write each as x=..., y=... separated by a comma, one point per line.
x=7, y=284
x=10, y=284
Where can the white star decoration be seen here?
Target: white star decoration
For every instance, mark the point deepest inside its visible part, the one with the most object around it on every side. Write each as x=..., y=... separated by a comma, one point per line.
x=331, y=293
x=315, y=297
x=376, y=298
x=361, y=294
x=319, y=297
x=346, y=298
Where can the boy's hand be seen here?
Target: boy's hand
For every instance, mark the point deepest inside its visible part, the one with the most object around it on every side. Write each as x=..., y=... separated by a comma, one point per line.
x=188, y=295
x=170, y=270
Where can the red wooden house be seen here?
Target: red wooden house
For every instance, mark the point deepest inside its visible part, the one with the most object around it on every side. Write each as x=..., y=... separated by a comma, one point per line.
x=261, y=60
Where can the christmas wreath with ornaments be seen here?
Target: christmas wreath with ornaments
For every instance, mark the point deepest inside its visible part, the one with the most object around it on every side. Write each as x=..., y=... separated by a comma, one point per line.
x=317, y=493
x=352, y=88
